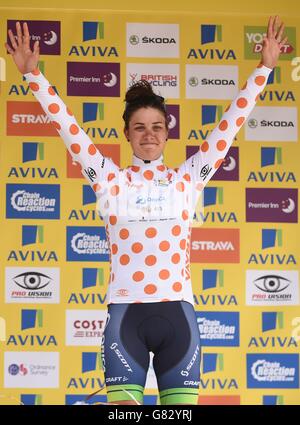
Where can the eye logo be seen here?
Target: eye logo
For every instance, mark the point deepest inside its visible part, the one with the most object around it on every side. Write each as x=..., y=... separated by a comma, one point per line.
x=272, y=284
x=32, y=280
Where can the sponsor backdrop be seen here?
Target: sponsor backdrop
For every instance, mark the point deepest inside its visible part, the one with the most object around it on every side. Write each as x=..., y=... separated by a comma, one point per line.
x=245, y=249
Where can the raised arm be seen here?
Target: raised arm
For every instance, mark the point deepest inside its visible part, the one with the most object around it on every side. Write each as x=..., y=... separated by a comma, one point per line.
x=95, y=167
x=201, y=166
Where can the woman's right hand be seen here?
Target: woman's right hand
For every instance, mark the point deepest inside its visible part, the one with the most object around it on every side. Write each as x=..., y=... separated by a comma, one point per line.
x=24, y=58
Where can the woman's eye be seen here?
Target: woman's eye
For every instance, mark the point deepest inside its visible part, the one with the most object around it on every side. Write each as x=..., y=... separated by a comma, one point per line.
x=32, y=280
x=271, y=283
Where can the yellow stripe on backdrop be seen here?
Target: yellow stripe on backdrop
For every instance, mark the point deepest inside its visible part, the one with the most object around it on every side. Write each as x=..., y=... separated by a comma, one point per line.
x=231, y=293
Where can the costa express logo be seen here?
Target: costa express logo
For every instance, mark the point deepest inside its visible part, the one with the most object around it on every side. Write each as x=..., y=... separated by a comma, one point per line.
x=28, y=119
x=215, y=246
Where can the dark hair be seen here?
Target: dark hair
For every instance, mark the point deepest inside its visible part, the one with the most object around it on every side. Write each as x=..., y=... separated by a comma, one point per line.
x=141, y=95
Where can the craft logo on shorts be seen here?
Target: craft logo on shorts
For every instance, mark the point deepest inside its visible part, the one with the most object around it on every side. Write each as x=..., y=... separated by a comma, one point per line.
x=152, y=40
x=33, y=285
x=272, y=370
x=253, y=43
x=272, y=205
x=111, y=152
x=272, y=287
x=33, y=201
x=215, y=245
x=164, y=78
x=87, y=244
x=46, y=32
x=85, y=327
x=31, y=369
x=219, y=328
x=272, y=124
x=211, y=81
x=28, y=119
x=93, y=79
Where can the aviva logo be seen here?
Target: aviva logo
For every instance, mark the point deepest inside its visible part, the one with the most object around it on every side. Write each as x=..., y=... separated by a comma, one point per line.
x=32, y=235
x=212, y=362
x=271, y=156
x=92, y=111
x=213, y=196
x=211, y=114
x=271, y=238
x=91, y=362
x=32, y=151
x=88, y=195
x=212, y=279
x=31, y=319
x=273, y=400
x=210, y=33
x=93, y=31
x=272, y=320
x=92, y=277
x=31, y=399
x=275, y=76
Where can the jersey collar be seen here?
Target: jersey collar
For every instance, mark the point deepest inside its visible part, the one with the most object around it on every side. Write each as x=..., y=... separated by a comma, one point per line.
x=146, y=162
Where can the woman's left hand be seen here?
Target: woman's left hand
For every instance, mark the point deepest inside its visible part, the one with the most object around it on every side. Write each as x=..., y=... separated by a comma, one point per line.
x=272, y=43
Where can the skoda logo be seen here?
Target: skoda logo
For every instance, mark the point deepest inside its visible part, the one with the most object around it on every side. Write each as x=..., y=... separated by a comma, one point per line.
x=133, y=39
x=252, y=123
x=193, y=81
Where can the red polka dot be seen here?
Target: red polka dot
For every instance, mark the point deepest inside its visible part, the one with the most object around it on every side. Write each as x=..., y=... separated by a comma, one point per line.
x=138, y=276
x=180, y=186
x=69, y=112
x=219, y=163
x=113, y=219
x=151, y=232
x=221, y=145
x=135, y=168
x=164, y=246
x=223, y=125
x=53, y=108
x=34, y=86
x=164, y=274
x=176, y=230
x=115, y=190
x=260, y=80
x=177, y=287
x=36, y=71
x=114, y=248
x=176, y=258
x=123, y=233
x=240, y=121
x=92, y=149
x=111, y=176
x=150, y=260
x=74, y=129
x=124, y=259
x=161, y=167
x=185, y=214
x=96, y=187
x=137, y=247
x=148, y=174
x=204, y=147
x=75, y=148
x=56, y=125
x=187, y=177
x=51, y=91
x=150, y=289
x=242, y=102
x=182, y=244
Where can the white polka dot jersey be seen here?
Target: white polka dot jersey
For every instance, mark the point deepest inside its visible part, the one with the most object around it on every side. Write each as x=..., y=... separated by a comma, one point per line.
x=148, y=207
